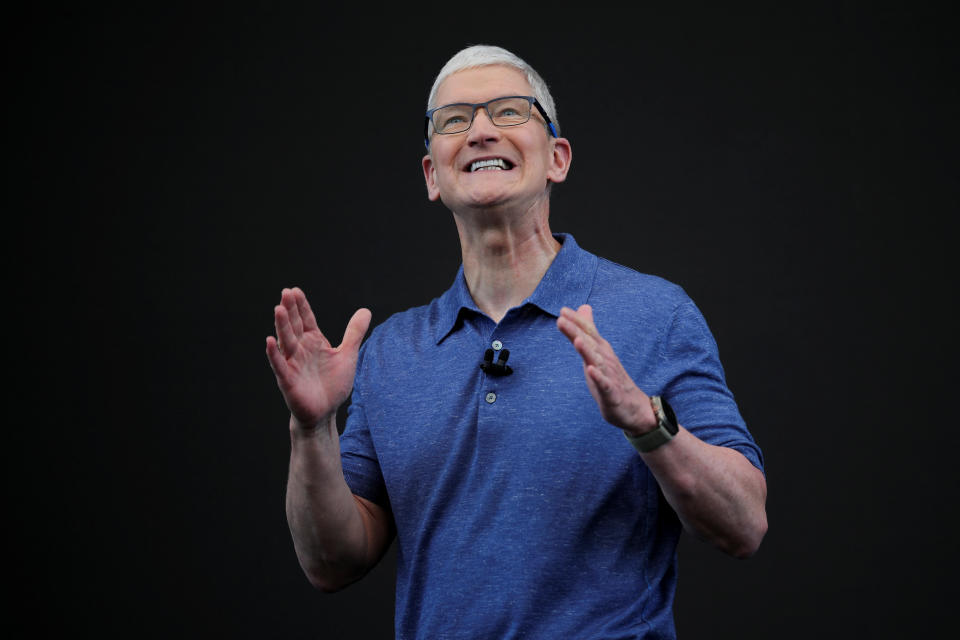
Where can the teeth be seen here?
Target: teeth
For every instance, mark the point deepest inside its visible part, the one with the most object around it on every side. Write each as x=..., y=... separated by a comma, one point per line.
x=488, y=165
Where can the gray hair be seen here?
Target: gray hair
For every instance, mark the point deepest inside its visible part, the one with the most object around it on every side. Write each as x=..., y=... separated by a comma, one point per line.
x=482, y=55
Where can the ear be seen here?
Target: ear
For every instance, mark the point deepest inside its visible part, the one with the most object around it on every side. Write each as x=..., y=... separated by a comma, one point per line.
x=430, y=177
x=560, y=159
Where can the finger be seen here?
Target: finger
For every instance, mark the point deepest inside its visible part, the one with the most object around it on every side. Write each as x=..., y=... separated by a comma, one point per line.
x=585, y=315
x=306, y=313
x=289, y=301
x=567, y=328
x=285, y=337
x=603, y=384
x=277, y=362
x=570, y=329
x=588, y=350
x=356, y=329
x=583, y=318
x=575, y=333
x=570, y=324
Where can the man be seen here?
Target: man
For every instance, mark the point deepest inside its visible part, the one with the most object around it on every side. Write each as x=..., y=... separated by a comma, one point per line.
x=520, y=507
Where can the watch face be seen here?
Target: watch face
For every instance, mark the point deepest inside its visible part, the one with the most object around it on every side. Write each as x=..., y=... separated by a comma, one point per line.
x=671, y=425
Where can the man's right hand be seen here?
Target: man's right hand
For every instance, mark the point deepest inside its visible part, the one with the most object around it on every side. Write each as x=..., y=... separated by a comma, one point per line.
x=314, y=377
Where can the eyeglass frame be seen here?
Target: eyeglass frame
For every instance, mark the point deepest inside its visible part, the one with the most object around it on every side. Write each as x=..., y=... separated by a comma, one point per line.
x=473, y=116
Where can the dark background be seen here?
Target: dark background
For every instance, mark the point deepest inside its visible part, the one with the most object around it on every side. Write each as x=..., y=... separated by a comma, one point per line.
x=169, y=170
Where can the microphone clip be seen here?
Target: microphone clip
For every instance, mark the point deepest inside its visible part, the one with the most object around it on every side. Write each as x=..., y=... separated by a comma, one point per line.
x=498, y=368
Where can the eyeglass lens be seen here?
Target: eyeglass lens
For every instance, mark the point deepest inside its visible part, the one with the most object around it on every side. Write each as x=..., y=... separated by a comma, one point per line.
x=504, y=112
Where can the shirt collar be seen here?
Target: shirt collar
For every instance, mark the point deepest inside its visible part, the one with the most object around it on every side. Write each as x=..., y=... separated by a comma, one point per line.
x=567, y=283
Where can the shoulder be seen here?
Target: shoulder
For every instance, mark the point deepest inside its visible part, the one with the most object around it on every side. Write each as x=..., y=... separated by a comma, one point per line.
x=630, y=291
x=409, y=320
x=402, y=335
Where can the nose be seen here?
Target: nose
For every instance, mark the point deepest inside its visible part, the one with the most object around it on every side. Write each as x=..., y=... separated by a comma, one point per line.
x=482, y=130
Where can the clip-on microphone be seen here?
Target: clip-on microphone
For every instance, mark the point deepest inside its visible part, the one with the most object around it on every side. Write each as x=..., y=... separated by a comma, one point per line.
x=498, y=368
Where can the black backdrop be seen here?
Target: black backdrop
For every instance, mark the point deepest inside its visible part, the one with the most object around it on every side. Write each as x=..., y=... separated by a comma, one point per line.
x=170, y=170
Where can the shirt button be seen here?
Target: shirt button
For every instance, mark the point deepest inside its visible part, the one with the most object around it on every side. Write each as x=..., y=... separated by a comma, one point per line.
x=491, y=397
x=497, y=345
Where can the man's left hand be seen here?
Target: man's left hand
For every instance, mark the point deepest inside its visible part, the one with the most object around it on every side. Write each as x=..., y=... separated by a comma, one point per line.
x=621, y=402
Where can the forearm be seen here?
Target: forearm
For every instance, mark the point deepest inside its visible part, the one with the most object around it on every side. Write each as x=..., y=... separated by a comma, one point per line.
x=717, y=493
x=328, y=531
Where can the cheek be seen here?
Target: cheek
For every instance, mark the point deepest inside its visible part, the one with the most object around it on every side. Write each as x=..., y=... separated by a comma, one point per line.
x=445, y=165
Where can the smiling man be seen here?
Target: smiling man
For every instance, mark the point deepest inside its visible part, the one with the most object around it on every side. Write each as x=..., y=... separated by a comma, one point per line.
x=569, y=418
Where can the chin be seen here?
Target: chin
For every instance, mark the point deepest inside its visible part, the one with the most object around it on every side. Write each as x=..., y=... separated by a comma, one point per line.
x=482, y=199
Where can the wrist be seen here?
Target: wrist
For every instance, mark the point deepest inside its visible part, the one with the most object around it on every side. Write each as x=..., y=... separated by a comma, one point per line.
x=644, y=421
x=666, y=427
x=309, y=429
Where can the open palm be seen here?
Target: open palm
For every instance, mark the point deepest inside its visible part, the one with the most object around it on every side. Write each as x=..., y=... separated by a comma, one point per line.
x=314, y=377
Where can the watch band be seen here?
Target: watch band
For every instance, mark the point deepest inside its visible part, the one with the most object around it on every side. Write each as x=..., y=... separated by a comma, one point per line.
x=666, y=428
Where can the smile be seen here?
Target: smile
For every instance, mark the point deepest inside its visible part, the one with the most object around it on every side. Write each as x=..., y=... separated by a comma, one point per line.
x=490, y=164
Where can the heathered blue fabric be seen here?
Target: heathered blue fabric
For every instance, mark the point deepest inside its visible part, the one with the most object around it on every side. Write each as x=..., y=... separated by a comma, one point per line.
x=530, y=517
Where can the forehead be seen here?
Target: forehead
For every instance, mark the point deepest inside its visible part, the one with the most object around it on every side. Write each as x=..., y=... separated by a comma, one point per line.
x=482, y=84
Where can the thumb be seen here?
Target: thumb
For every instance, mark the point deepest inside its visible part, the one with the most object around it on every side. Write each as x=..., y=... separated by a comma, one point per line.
x=356, y=329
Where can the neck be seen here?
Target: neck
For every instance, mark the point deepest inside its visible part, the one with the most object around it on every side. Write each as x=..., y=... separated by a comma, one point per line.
x=503, y=262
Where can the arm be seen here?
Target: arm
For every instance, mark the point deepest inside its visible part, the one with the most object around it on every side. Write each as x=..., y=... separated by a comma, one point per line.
x=717, y=493
x=337, y=536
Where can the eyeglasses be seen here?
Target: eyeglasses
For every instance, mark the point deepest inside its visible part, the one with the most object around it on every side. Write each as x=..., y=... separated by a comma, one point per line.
x=508, y=111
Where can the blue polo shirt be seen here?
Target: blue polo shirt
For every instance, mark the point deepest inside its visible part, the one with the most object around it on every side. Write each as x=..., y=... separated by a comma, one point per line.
x=520, y=512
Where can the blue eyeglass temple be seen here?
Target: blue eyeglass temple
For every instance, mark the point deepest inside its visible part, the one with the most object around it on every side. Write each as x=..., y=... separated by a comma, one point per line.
x=553, y=129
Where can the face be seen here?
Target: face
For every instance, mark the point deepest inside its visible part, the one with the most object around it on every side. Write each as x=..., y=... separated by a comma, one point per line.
x=531, y=157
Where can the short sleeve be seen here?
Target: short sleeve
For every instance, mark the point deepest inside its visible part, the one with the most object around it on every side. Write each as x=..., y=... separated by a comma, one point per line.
x=695, y=385
x=358, y=456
